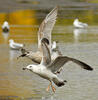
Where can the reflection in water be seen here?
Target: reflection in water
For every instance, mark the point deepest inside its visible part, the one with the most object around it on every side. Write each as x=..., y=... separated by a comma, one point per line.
x=13, y=54
x=5, y=35
x=48, y=98
x=77, y=32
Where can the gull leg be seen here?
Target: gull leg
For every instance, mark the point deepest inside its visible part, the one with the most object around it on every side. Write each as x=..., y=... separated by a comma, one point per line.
x=53, y=88
x=47, y=89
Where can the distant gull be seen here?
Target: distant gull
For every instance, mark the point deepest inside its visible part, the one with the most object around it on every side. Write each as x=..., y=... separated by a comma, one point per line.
x=78, y=24
x=45, y=30
x=54, y=45
x=5, y=27
x=15, y=46
x=47, y=68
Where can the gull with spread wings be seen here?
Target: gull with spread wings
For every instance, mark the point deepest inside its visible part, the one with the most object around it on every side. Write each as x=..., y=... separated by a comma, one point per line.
x=45, y=30
x=47, y=68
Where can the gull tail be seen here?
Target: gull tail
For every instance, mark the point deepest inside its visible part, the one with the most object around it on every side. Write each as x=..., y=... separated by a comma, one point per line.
x=59, y=82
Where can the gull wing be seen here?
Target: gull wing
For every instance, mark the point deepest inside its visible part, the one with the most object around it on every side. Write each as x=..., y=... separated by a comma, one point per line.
x=83, y=24
x=61, y=60
x=46, y=57
x=46, y=27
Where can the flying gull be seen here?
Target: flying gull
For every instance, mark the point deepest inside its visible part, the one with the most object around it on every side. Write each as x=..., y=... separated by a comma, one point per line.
x=47, y=68
x=45, y=30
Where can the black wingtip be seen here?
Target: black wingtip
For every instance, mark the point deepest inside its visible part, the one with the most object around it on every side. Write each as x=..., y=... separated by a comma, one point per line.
x=82, y=64
x=65, y=81
x=89, y=68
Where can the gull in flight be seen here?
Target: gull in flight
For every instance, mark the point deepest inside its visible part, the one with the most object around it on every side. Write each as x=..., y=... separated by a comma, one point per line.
x=5, y=27
x=47, y=68
x=45, y=30
x=79, y=24
x=15, y=46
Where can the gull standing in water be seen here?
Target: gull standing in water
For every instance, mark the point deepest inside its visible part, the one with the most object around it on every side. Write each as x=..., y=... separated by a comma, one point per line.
x=45, y=30
x=54, y=45
x=79, y=24
x=47, y=68
x=5, y=27
x=15, y=46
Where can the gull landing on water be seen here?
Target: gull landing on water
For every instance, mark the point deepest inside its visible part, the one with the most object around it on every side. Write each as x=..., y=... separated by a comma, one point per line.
x=79, y=24
x=5, y=27
x=47, y=68
x=45, y=31
x=15, y=46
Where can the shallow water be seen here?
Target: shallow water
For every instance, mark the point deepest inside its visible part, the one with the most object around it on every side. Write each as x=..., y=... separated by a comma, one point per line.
x=82, y=44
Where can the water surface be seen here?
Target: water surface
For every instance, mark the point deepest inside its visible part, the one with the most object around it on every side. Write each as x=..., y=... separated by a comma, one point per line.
x=82, y=44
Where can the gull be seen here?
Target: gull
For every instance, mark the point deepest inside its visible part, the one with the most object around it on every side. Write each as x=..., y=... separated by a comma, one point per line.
x=55, y=52
x=15, y=46
x=54, y=45
x=45, y=30
x=5, y=27
x=47, y=68
x=79, y=24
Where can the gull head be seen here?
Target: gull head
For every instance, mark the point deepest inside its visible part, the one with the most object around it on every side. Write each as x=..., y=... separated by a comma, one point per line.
x=5, y=23
x=11, y=40
x=30, y=67
x=76, y=19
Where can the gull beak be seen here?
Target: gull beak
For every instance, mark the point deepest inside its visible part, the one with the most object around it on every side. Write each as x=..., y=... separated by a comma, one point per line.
x=24, y=68
x=23, y=55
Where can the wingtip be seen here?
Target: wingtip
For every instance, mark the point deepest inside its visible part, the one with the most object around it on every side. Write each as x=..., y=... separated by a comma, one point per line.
x=56, y=8
x=90, y=69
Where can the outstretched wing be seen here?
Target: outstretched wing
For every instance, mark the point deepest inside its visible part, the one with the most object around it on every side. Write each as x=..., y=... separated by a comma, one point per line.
x=61, y=60
x=46, y=57
x=46, y=27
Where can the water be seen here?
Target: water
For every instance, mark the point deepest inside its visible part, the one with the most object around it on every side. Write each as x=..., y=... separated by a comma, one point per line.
x=82, y=44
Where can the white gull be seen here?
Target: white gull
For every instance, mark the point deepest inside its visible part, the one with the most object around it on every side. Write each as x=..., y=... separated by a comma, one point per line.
x=5, y=27
x=78, y=24
x=54, y=45
x=15, y=46
x=47, y=68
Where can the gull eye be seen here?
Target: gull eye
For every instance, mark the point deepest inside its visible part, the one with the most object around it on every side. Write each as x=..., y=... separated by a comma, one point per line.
x=30, y=66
